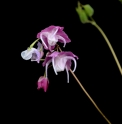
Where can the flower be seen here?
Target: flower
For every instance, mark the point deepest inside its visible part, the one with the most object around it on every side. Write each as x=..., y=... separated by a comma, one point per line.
x=60, y=62
x=43, y=83
x=33, y=53
x=51, y=35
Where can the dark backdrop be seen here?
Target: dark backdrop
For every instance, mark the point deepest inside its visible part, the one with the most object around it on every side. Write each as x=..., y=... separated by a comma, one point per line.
x=96, y=68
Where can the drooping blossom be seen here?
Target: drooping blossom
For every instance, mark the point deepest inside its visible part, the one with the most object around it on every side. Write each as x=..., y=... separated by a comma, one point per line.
x=61, y=61
x=33, y=53
x=43, y=83
x=51, y=35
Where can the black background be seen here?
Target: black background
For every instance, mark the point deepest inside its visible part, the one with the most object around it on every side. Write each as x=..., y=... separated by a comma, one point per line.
x=96, y=68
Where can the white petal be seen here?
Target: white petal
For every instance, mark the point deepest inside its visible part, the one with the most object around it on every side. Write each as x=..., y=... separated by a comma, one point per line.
x=61, y=38
x=43, y=41
x=40, y=47
x=60, y=64
x=54, y=31
x=75, y=64
x=52, y=40
x=54, y=66
x=67, y=75
x=27, y=54
x=46, y=67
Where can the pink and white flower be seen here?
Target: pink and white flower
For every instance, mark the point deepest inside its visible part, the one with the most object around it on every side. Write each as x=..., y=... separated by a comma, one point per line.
x=51, y=35
x=61, y=61
x=33, y=53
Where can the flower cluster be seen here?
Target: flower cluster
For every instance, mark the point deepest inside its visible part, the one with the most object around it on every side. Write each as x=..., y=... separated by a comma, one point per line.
x=61, y=61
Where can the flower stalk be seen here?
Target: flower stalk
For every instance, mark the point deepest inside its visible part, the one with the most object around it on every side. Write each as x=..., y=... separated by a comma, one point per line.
x=95, y=105
x=109, y=45
x=85, y=13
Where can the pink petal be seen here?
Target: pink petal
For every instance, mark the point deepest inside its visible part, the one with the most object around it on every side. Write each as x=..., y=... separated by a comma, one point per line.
x=46, y=83
x=43, y=83
x=49, y=57
x=68, y=54
x=64, y=35
x=68, y=63
x=62, y=40
x=50, y=28
x=54, y=54
x=46, y=60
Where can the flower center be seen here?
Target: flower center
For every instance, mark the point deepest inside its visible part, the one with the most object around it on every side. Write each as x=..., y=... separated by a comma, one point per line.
x=60, y=64
x=52, y=41
x=34, y=56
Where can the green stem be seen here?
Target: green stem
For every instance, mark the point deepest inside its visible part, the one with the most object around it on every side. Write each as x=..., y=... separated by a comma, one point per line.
x=45, y=72
x=33, y=43
x=109, y=45
x=42, y=59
